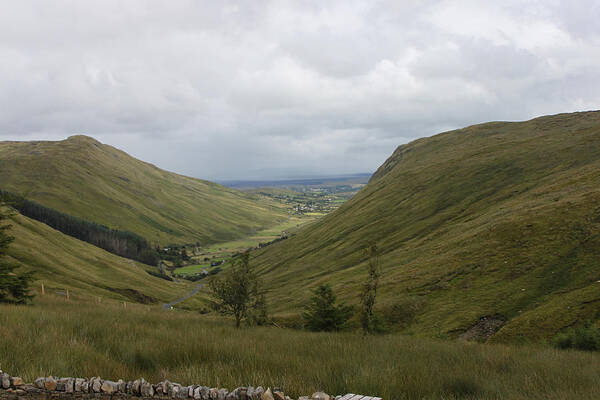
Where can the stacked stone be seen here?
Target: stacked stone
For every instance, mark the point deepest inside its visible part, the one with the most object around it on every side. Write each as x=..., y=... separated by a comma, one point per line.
x=143, y=389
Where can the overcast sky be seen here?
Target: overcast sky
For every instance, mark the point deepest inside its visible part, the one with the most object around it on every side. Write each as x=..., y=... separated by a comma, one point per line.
x=271, y=89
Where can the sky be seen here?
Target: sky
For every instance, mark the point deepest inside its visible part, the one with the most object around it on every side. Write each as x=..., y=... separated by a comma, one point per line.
x=285, y=89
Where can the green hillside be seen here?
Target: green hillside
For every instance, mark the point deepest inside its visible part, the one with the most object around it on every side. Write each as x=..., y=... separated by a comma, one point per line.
x=82, y=177
x=61, y=262
x=499, y=219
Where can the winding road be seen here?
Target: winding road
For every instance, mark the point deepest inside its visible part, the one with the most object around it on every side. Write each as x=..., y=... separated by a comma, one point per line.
x=193, y=292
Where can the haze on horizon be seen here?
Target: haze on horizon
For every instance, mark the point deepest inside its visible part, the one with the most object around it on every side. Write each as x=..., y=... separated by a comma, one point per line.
x=270, y=89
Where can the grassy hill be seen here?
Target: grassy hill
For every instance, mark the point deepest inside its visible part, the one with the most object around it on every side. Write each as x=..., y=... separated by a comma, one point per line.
x=82, y=177
x=499, y=219
x=88, y=272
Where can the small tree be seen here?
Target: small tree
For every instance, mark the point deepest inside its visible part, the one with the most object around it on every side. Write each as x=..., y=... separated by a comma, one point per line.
x=14, y=288
x=322, y=314
x=368, y=294
x=235, y=290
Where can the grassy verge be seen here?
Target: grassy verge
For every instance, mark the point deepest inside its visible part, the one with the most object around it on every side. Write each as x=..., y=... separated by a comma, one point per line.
x=85, y=339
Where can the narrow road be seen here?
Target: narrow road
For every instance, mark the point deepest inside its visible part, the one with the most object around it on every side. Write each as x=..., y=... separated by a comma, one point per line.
x=193, y=292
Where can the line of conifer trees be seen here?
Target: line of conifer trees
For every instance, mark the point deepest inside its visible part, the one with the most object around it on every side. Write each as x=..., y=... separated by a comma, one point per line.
x=123, y=243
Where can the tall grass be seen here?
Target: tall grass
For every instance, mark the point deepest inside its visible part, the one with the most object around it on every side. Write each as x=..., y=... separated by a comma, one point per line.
x=85, y=339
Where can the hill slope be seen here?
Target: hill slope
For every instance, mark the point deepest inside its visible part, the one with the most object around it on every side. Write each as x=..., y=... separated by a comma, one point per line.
x=494, y=219
x=82, y=177
x=62, y=262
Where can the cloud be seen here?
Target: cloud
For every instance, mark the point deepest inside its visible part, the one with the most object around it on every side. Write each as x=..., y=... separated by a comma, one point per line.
x=256, y=89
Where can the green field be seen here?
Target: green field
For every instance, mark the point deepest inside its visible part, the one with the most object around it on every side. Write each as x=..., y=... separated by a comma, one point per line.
x=498, y=219
x=63, y=263
x=82, y=177
x=82, y=338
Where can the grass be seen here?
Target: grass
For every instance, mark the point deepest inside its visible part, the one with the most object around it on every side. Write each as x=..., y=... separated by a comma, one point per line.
x=61, y=262
x=82, y=177
x=55, y=337
x=497, y=218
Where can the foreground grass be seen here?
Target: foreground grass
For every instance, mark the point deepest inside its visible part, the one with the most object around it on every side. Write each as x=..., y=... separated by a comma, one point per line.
x=84, y=339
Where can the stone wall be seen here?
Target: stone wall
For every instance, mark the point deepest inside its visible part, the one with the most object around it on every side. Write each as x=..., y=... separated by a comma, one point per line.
x=49, y=388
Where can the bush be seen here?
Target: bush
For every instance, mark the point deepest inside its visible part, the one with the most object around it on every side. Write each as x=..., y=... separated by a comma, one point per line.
x=322, y=314
x=586, y=337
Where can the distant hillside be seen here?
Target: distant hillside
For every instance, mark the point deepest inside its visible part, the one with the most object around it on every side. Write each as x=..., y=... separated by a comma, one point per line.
x=84, y=178
x=500, y=219
x=61, y=262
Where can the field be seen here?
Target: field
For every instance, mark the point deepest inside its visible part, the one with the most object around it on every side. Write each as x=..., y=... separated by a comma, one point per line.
x=62, y=338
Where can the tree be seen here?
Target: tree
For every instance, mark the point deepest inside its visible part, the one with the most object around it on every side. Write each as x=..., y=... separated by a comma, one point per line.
x=235, y=291
x=368, y=293
x=14, y=288
x=322, y=314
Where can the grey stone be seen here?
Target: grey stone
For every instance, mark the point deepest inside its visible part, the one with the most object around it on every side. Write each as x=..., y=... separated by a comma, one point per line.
x=303, y=398
x=197, y=394
x=258, y=392
x=85, y=386
x=250, y=393
x=205, y=392
x=173, y=390
x=78, y=384
x=222, y=394
x=97, y=385
x=183, y=392
x=128, y=387
x=147, y=390
x=213, y=393
x=319, y=396
x=338, y=397
x=5, y=380
x=268, y=395
x=109, y=387
x=39, y=383
x=122, y=386
x=65, y=385
x=135, y=386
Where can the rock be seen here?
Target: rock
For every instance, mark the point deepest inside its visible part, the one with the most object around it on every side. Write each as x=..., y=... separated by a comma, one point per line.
x=319, y=396
x=250, y=393
x=128, y=387
x=338, y=397
x=39, y=383
x=303, y=398
x=5, y=380
x=109, y=387
x=288, y=398
x=173, y=389
x=191, y=391
x=16, y=381
x=183, y=392
x=268, y=395
x=197, y=395
x=213, y=393
x=258, y=392
x=66, y=385
x=96, y=385
x=135, y=386
x=50, y=383
x=85, y=386
x=205, y=391
x=122, y=386
x=279, y=395
x=78, y=383
x=147, y=390
x=222, y=394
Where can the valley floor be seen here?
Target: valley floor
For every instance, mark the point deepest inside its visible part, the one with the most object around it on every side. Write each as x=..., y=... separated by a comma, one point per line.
x=67, y=338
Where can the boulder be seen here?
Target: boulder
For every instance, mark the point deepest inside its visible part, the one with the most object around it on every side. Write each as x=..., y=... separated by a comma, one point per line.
x=268, y=395
x=173, y=389
x=197, y=395
x=250, y=393
x=222, y=394
x=135, y=386
x=319, y=396
x=278, y=395
x=183, y=392
x=214, y=393
x=66, y=385
x=122, y=385
x=109, y=387
x=85, y=386
x=50, y=383
x=146, y=389
x=128, y=388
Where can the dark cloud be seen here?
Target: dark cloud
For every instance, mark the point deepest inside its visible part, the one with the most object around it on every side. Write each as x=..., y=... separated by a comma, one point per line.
x=254, y=89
